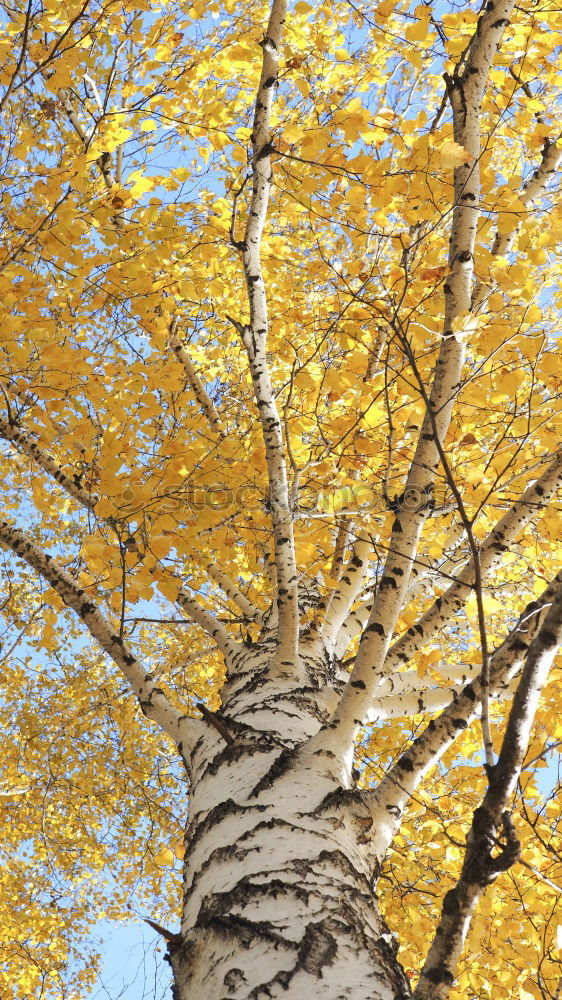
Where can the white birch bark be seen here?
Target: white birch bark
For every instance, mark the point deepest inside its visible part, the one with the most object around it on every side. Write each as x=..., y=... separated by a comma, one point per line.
x=279, y=873
x=278, y=880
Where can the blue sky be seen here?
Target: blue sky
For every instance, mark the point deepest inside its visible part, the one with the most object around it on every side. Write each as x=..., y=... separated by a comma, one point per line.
x=132, y=966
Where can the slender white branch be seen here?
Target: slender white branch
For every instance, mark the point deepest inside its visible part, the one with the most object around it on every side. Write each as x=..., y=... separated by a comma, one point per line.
x=440, y=570
x=254, y=337
x=344, y=596
x=391, y=796
x=103, y=161
x=533, y=189
x=207, y=621
x=233, y=592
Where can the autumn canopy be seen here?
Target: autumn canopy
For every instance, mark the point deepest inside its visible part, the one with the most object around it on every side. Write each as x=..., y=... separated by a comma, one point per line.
x=279, y=357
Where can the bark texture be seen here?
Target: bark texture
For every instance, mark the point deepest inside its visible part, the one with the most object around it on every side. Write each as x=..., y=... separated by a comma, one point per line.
x=279, y=891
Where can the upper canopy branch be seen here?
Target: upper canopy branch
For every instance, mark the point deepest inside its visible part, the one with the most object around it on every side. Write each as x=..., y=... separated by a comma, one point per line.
x=110, y=179
x=197, y=387
x=465, y=89
x=532, y=190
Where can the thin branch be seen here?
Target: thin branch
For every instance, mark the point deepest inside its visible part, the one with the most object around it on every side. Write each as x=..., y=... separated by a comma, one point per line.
x=237, y=244
x=21, y=57
x=533, y=189
x=342, y=538
x=467, y=523
x=535, y=498
x=392, y=794
x=199, y=390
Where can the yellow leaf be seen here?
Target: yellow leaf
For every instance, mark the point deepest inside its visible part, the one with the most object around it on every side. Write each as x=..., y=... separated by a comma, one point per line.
x=165, y=858
x=140, y=184
x=160, y=545
x=491, y=605
x=418, y=31
x=451, y=155
x=170, y=588
x=179, y=851
x=464, y=324
x=385, y=8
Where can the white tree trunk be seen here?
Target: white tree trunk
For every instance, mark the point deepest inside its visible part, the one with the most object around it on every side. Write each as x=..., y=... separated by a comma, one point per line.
x=279, y=898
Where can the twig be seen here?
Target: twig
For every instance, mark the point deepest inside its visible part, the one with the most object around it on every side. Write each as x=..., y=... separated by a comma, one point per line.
x=214, y=721
x=238, y=244
x=167, y=935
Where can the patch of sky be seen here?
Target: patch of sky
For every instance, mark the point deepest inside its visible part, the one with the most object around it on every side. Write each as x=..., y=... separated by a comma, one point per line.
x=132, y=965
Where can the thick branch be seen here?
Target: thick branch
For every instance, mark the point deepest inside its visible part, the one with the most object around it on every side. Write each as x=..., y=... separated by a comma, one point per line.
x=153, y=702
x=480, y=866
x=25, y=444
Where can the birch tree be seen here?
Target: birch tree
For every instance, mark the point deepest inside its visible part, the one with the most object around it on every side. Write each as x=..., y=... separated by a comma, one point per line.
x=281, y=449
